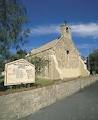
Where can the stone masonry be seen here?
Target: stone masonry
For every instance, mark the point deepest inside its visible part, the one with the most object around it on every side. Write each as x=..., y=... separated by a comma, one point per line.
x=63, y=56
x=18, y=105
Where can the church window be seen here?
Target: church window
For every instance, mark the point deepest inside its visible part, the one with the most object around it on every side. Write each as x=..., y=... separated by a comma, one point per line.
x=67, y=29
x=67, y=52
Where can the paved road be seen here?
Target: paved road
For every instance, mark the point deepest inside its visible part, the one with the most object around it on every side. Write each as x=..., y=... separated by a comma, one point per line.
x=80, y=106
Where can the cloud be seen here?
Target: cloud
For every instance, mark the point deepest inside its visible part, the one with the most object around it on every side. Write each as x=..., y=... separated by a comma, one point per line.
x=81, y=30
x=85, y=30
x=45, y=30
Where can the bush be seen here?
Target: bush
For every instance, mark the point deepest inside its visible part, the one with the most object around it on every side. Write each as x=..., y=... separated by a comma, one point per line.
x=39, y=63
x=93, y=62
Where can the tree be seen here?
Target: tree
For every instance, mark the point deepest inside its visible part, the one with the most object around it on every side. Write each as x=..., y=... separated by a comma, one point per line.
x=2, y=64
x=19, y=54
x=39, y=63
x=12, y=57
x=12, y=17
x=93, y=62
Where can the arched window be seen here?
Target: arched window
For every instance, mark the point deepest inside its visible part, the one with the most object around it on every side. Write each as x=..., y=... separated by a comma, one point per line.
x=67, y=29
x=67, y=52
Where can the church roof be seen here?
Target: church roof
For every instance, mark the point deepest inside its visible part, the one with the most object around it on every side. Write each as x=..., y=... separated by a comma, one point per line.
x=45, y=47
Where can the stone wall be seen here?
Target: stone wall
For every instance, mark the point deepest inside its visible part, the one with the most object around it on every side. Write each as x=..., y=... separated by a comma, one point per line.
x=18, y=105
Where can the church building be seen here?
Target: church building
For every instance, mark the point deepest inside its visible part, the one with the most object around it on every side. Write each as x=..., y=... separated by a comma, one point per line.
x=63, y=56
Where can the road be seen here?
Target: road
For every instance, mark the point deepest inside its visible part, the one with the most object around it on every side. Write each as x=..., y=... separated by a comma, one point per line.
x=80, y=106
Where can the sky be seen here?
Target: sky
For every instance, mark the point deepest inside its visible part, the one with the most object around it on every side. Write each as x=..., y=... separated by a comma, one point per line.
x=46, y=16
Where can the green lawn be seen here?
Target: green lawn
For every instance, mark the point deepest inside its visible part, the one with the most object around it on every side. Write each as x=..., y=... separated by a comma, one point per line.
x=39, y=82
x=19, y=88
x=44, y=82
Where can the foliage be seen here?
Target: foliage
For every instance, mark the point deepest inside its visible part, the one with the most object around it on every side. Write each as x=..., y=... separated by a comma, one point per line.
x=93, y=62
x=19, y=54
x=39, y=63
x=2, y=64
x=12, y=17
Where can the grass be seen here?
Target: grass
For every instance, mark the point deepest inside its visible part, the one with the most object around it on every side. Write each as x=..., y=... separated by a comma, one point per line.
x=40, y=82
x=22, y=87
x=44, y=82
x=37, y=84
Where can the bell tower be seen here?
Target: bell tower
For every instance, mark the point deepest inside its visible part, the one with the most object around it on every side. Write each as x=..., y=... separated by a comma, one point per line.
x=65, y=31
x=67, y=37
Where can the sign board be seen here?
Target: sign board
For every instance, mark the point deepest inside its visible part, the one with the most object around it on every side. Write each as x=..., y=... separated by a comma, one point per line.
x=19, y=72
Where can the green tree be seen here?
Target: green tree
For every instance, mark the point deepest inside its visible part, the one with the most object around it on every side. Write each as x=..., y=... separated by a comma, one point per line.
x=39, y=63
x=93, y=62
x=19, y=54
x=2, y=64
x=12, y=17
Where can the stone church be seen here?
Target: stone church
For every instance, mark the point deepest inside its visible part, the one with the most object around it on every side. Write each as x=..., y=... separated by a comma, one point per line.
x=64, y=58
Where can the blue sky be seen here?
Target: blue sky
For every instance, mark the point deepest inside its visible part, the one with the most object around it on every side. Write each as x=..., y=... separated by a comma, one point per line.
x=45, y=16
